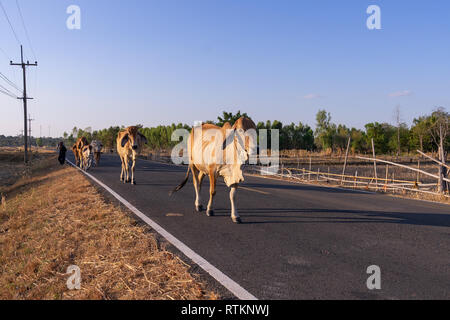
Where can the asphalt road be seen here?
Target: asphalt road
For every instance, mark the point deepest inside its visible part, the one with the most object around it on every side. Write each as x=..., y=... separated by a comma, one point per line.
x=300, y=241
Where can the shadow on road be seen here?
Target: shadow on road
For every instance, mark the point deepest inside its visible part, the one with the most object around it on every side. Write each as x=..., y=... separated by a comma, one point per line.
x=300, y=187
x=291, y=215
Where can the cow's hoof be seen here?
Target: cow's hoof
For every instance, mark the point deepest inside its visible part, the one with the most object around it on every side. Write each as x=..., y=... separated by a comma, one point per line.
x=210, y=213
x=134, y=183
x=199, y=208
x=237, y=220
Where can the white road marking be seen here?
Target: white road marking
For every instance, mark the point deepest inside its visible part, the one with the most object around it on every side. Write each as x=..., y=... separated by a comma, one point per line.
x=222, y=278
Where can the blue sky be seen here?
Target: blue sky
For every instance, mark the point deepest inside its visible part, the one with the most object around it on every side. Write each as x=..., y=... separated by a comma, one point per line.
x=163, y=61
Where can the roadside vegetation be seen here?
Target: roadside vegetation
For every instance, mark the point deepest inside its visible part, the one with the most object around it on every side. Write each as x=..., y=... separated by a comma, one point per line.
x=52, y=217
x=329, y=137
x=389, y=139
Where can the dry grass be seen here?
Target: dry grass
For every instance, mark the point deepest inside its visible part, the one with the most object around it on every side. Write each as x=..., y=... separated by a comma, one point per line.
x=13, y=171
x=58, y=219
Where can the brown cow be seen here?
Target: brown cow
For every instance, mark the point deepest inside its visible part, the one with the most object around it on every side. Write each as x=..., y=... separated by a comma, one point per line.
x=75, y=153
x=78, y=149
x=215, y=152
x=129, y=144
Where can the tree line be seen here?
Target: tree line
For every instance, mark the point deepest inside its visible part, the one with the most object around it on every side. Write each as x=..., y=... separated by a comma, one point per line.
x=424, y=134
x=17, y=141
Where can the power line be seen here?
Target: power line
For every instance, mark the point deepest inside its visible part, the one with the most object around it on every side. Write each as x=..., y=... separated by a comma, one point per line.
x=8, y=94
x=25, y=28
x=10, y=24
x=4, y=52
x=12, y=84
x=5, y=89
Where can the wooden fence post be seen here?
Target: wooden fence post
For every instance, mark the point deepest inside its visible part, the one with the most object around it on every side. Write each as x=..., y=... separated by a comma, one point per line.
x=345, y=161
x=375, y=166
x=328, y=176
x=418, y=173
x=387, y=177
x=310, y=168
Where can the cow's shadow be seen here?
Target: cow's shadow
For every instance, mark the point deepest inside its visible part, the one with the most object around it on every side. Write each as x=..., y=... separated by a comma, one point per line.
x=315, y=215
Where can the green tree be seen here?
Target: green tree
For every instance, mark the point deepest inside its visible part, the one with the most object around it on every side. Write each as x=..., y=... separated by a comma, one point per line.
x=230, y=117
x=39, y=142
x=325, y=130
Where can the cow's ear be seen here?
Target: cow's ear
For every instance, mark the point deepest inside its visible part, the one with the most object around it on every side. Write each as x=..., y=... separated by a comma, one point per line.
x=124, y=140
x=229, y=139
x=144, y=139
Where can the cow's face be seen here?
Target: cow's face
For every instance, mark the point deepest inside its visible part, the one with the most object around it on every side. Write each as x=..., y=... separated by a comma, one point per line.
x=235, y=158
x=248, y=134
x=234, y=147
x=134, y=138
x=97, y=146
x=232, y=174
x=87, y=151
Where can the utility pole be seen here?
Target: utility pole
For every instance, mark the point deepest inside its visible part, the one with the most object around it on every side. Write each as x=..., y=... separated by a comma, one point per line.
x=29, y=129
x=24, y=98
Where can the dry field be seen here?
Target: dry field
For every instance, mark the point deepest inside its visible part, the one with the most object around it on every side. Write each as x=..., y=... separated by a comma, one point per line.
x=335, y=163
x=12, y=167
x=399, y=181
x=52, y=217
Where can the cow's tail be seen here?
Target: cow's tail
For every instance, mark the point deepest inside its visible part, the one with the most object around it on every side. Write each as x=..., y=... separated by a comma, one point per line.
x=183, y=183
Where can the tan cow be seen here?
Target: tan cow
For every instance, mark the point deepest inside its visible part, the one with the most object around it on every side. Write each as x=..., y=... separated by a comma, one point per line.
x=216, y=152
x=78, y=150
x=75, y=153
x=129, y=144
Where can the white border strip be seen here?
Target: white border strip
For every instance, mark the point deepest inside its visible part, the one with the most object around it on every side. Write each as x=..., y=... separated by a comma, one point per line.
x=227, y=282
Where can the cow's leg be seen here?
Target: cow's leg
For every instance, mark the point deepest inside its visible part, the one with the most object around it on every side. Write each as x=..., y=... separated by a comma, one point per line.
x=197, y=186
x=201, y=176
x=132, y=170
x=234, y=214
x=80, y=156
x=122, y=178
x=212, y=193
x=127, y=169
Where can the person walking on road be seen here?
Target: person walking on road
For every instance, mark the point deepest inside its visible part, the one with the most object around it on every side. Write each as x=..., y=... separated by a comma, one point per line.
x=62, y=153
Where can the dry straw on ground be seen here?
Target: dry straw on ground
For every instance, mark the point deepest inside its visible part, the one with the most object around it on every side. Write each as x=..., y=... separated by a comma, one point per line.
x=59, y=219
